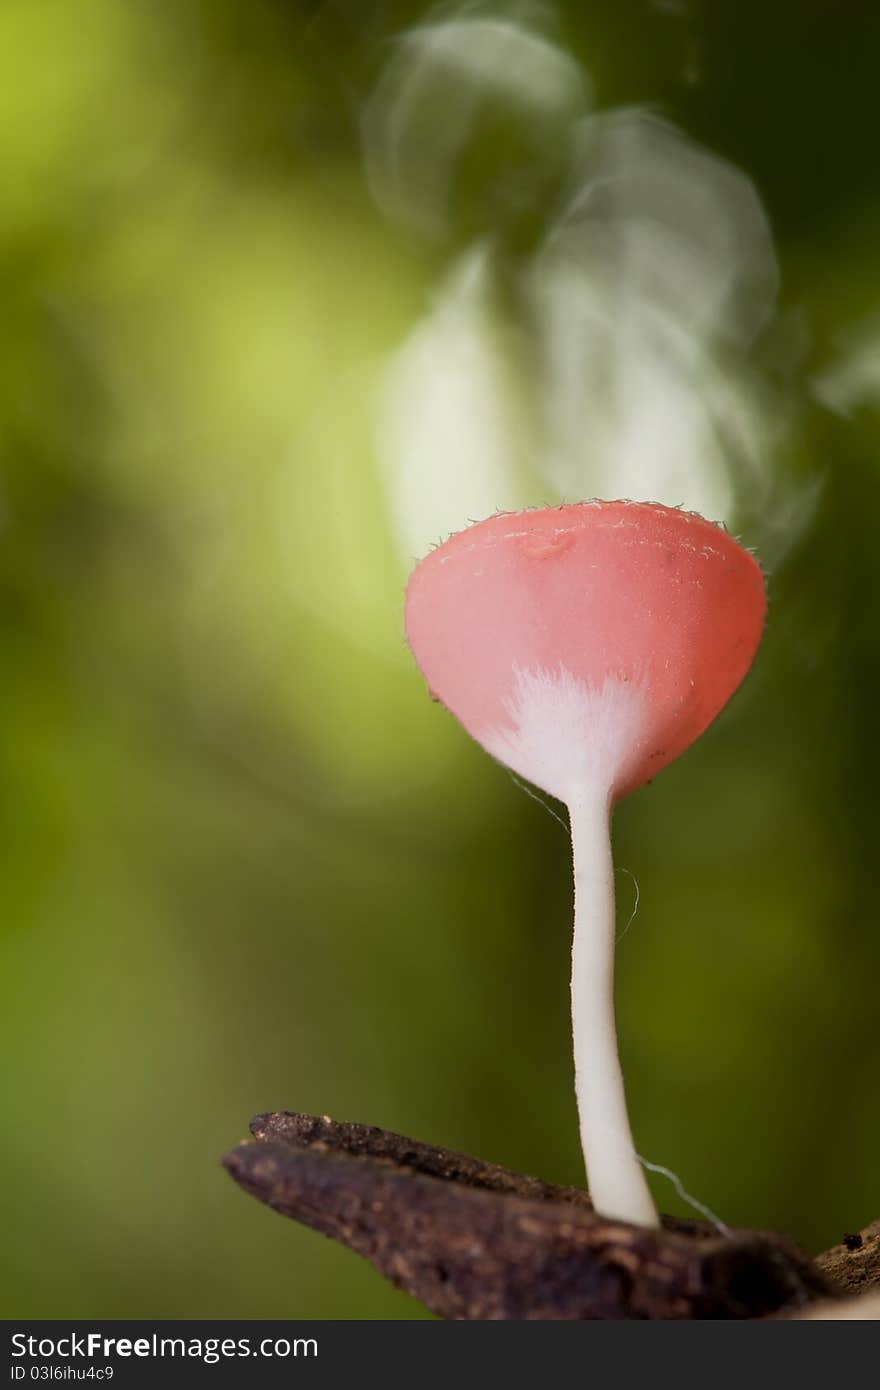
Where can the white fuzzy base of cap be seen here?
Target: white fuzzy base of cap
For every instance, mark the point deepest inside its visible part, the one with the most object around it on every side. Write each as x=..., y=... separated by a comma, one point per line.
x=565, y=735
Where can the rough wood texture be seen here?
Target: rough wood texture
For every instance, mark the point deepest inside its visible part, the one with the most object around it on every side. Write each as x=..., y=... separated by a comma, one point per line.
x=854, y=1265
x=473, y=1240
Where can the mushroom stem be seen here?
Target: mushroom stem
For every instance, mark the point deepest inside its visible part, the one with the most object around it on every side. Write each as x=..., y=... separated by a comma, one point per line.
x=615, y=1176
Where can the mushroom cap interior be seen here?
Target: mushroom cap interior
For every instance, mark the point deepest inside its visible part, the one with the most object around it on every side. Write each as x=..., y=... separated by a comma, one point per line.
x=590, y=641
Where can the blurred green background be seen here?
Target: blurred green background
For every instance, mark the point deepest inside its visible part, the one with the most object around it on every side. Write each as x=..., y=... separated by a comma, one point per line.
x=246, y=863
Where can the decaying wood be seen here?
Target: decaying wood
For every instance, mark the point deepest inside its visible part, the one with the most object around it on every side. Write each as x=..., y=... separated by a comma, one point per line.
x=473, y=1240
x=854, y=1264
x=853, y=1267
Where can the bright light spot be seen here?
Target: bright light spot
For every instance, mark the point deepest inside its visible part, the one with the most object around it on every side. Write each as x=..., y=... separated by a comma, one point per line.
x=614, y=357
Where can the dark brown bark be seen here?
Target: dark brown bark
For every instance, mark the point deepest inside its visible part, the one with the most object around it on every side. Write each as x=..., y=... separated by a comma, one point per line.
x=473, y=1240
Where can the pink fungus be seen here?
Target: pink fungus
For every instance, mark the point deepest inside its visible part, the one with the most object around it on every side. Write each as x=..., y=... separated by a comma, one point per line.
x=587, y=646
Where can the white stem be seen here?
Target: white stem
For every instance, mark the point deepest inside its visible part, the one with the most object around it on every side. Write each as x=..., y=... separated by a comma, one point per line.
x=615, y=1176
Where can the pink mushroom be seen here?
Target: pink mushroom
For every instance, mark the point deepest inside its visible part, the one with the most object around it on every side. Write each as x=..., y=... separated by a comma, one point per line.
x=586, y=647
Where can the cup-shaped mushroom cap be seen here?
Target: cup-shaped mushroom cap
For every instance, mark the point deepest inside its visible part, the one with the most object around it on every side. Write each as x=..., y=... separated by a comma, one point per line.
x=590, y=643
